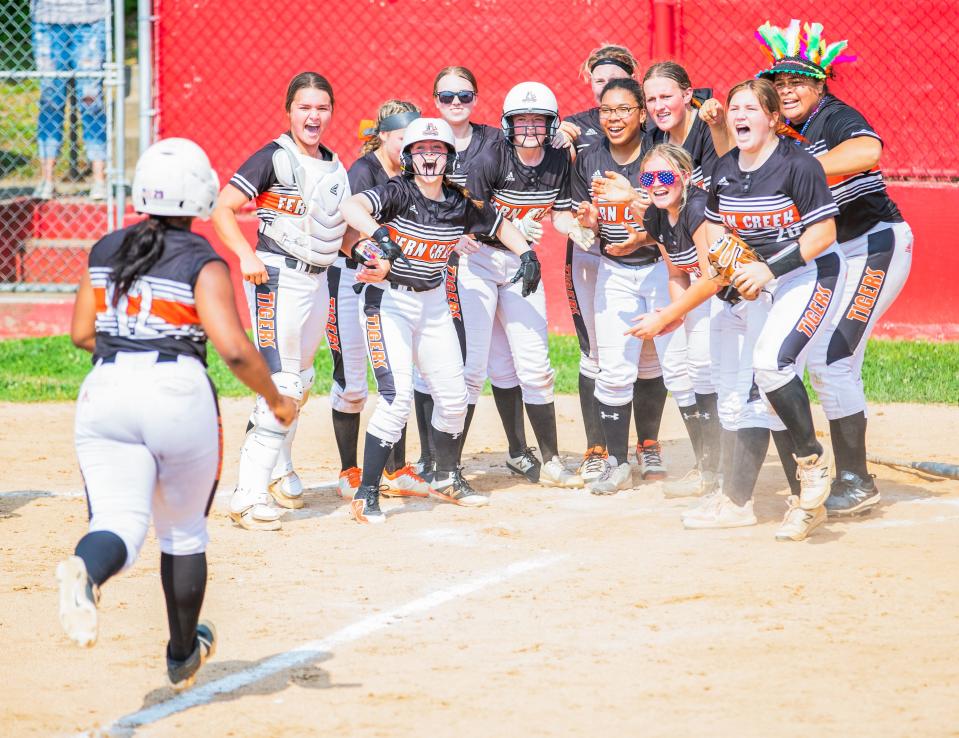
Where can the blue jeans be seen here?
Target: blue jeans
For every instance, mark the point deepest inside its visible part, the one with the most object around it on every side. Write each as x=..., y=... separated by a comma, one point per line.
x=62, y=47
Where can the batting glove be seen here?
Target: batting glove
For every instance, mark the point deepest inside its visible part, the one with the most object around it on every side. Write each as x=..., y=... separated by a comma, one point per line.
x=582, y=236
x=529, y=272
x=532, y=230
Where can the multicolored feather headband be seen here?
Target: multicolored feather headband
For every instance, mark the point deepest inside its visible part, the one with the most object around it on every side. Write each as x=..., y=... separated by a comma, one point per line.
x=800, y=49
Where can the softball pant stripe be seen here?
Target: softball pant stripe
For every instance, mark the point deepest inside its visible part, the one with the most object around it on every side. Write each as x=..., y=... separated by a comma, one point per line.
x=345, y=335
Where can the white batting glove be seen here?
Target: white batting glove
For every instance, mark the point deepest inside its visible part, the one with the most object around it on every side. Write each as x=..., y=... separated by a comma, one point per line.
x=561, y=140
x=531, y=229
x=582, y=236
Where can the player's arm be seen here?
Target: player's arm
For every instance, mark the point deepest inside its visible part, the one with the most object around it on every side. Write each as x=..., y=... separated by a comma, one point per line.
x=714, y=116
x=852, y=156
x=83, y=330
x=358, y=214
x=227, y=227
x=216, y=309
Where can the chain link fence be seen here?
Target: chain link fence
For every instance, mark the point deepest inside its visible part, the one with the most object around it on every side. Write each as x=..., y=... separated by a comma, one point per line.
x=219, y=73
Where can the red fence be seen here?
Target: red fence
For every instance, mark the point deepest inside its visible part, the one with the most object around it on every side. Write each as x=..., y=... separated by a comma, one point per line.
x=222, y=70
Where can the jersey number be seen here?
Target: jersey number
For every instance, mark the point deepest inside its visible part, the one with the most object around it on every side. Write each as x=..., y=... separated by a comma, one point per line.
x=134, y=325
x=790, y=233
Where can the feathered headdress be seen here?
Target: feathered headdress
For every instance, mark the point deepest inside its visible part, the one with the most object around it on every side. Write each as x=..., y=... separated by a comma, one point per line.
x=799, y=51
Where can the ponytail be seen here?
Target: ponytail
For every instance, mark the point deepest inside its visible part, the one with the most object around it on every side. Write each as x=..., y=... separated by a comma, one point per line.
x=478, y=204
x=142, y=247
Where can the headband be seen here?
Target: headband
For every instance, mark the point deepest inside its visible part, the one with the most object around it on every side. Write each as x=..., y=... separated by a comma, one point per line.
x=396, y=121
x=625, y=66
x=784, y=50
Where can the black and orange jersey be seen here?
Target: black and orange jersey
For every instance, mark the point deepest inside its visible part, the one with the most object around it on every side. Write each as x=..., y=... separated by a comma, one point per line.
x=590, y=130
x=594, y=161
x=699, y=144
x=158, y=313
x=256, y=179
x=771, y=206
x=677, y=240
x=483, y=137
x=366, y=173
x=499, y=177
x=426, y=230
x=862, y=198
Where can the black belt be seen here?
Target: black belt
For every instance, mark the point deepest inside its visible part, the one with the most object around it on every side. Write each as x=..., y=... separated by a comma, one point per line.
x=407, y=288
x=302, y=266
x=161, y=357
x=352, y=263
x=637, y=264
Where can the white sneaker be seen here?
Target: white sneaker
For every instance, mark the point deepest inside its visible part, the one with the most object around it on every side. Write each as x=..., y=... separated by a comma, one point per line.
x=45, y=190
x=348, y=482
x=404, y=483
x=593, y=464
x=78, y=601
x=706, y=506
x=615, y=477
x=649, y=456
x=725, y=514
x=555, y=473
x=688, y=485
x=813, y=474
x=287, y=491
x=799, y=523
x=254, y=512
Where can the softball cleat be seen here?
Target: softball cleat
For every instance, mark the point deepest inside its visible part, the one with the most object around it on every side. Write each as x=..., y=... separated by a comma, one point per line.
x=453, y=487
x=348, y=482
x=614, y=478
x=79, y=597
x=365, y=505
x=287, y=491
x=556, y=473
x=814, y=482
x=798, y=523
x=258, y=514
x=405, y=482
x=182, y=674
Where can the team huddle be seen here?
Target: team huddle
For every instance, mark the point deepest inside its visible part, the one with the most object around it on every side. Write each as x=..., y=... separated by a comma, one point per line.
x=715, y=251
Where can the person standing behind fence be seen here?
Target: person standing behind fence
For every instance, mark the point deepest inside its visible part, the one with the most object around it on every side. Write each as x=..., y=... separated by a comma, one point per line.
x=345, y=332
x=70, y=36
x=148, y=434
x=297, y=184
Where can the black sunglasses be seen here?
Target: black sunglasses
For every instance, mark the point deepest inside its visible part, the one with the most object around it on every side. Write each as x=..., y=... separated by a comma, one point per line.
x=465, y=96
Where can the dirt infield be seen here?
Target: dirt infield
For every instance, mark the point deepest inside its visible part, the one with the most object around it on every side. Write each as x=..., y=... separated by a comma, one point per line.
x=548, y=613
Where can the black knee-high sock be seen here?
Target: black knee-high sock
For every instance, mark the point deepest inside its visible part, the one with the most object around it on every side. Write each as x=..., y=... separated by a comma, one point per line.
x=694, y=429
x=748, y=455
x=786, y=449
x=649, y=401
x=446, y=448
x=375, y=453
x=509, y=404
x=543, y=420
x=346, y=431
x=424, y=418
x=711, y=430
x=849, y=444
x=397, y=458
x=727, y=446
x=616, y=429
x=470, y=409
x=590, y=412
x=104, y=553
x=184, y=583
x=791, y=403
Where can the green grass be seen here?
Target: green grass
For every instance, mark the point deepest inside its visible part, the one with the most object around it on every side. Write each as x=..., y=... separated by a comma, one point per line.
x=46, y=369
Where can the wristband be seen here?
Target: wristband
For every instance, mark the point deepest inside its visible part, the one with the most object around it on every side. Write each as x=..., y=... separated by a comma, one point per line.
x=787, y=262
x=382, y=234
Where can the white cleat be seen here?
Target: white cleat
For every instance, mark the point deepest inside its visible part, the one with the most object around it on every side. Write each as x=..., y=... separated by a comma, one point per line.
x=614, y=478
x=705, y=506
x=254, y=513
x=556, y=473
x=78, y=601
x=593, y=464
x=799, y=523
x=348, y=482
x=724, y=513
x=814, y=481
x=287, y=491
x=404, y=482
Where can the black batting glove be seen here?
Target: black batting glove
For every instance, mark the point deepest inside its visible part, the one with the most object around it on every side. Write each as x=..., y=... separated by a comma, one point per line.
x=388, y=246
x=529, y=272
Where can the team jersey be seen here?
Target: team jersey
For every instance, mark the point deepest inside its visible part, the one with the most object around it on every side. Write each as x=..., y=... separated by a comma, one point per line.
x=426, y=230
x=862, y=198
x=590, y=130
x=366, y=173
x=594, y=161
x=498, y=177
x=677, y=239
x=158, y=313
x=257, y=180
x=770, y=207
x=483, y=137
x=699, y=144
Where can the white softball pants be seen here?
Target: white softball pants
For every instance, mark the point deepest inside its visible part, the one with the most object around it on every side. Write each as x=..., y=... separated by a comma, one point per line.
x=622, y=293
x=877, y=266
x=404, y=328
x=148, y=441
x=345, y=336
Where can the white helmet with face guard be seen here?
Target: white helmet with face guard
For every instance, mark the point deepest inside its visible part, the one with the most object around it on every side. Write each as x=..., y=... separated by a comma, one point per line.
x=530, y=98
x=428, y=129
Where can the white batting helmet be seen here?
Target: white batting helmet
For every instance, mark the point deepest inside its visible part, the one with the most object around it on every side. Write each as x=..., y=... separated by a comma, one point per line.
x=530, y=97
x=428, y=129
x=174, y=177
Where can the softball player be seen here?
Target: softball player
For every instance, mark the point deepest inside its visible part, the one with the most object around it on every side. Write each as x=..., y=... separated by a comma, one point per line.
x=872, y=235
x=583, y=129
x=675, y=219
x=775, y=197
x=415, y=221
x=147, y=425
x=297, y=184
x=524, y=179
x=454, y=92
x=630, y=280
x=380, y=161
